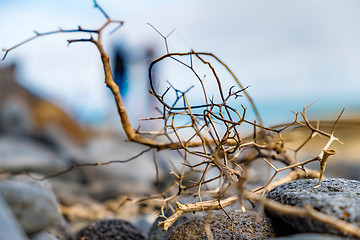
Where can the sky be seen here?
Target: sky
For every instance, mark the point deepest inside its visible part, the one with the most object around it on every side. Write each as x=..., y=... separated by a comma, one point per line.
x=290, y=53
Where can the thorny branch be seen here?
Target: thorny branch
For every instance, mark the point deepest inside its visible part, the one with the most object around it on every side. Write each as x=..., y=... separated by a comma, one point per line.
x=214, y=139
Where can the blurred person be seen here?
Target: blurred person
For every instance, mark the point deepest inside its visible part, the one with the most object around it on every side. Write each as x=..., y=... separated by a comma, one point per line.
x=120, y=71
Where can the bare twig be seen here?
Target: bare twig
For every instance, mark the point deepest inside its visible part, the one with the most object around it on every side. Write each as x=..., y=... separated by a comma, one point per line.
x=195, y=207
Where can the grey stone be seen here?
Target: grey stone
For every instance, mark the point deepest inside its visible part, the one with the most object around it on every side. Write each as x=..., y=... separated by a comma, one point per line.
x=310, y=236
x=44, y=236
x=349, y=170
x=22, y=178
x=336, y=197
x=60, y=229
x=248, y=225
x=9, y=227
x=21, y=154
x=34, y=207
x=114, y=229
x=143, y=224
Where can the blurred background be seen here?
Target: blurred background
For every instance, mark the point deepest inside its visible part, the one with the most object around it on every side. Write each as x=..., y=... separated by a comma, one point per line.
x=289, y=53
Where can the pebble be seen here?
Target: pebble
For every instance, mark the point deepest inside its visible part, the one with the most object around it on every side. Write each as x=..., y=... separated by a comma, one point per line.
x=44, y=236
x=114, y=229
x=34, y=207
x=336, y=197
x=244, y=226
x=59, y=230
x=9, y=227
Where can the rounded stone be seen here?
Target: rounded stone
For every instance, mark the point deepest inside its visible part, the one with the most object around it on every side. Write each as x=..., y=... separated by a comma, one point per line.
x=9, y=227
x=237, y=225
x=44, y=236
x=34, y=207
x=114, y=229
x=336, y=197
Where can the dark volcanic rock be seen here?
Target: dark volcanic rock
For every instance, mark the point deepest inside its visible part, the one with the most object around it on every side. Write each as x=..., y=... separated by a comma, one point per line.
x=336, y=197
x=310, y=236
x=243, y=226
x=114, y=229
x=157, y=232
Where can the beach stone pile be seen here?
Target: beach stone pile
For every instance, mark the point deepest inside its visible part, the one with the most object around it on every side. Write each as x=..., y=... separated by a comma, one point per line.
x=336, y=197
x=29, y=210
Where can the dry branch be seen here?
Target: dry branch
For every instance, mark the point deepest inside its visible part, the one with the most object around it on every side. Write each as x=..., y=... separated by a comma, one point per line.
x=216, y=135
x=197, y=207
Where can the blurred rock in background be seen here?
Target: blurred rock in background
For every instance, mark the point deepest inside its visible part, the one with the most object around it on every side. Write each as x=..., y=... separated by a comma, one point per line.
x=23, y=112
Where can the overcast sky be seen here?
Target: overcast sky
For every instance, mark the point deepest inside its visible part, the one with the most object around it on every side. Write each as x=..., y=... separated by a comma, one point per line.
x=291, y=53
